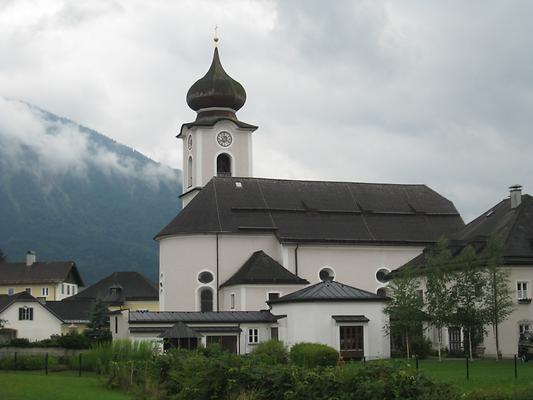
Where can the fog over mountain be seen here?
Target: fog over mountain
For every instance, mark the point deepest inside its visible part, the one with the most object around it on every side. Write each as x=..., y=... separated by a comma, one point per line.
x=71, y=193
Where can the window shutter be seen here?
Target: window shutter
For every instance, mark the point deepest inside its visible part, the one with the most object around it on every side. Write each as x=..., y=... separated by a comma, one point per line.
x=21, y=310
x=31, y=314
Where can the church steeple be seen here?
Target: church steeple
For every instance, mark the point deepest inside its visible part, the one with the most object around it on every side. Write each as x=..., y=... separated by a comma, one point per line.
x=216, y=143
x=216, y=89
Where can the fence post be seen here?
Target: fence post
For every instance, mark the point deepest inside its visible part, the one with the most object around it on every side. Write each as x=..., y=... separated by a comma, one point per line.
x=46, y=364
x=467, y=369
x=79, y=369
x=15, y=360
x=416, y=362
x=515, y=367
x=364, y=360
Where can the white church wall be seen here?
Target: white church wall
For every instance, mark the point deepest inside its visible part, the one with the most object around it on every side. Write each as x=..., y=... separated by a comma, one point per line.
x=252, y=297
x=183, y=257
x=354, y=265
x=313, y=322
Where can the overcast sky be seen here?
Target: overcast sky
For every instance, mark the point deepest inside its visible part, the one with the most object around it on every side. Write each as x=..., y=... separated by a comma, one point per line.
x=439, y=93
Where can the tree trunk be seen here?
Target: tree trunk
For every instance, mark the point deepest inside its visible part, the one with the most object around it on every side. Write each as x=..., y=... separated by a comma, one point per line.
x=470, y=343
x=440, y=343
x=407, y=344
x=495, y=328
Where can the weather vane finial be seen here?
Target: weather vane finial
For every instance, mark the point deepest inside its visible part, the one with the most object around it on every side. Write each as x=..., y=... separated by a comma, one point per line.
x=215, y=38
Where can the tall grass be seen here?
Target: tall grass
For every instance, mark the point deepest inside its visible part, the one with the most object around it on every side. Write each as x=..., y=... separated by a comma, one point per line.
x=99, y=357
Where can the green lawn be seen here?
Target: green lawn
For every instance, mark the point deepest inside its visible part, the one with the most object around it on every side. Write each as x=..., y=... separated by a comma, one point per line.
x=55, y=386
x=484, y=374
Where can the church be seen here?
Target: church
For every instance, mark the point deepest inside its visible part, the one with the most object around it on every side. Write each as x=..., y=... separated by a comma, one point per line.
x=249, y=259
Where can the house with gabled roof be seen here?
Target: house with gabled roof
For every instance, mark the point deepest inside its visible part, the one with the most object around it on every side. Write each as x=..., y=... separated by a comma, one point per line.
x=48, y=280
x=37, y=319
x=123, y=289
x=512, y=220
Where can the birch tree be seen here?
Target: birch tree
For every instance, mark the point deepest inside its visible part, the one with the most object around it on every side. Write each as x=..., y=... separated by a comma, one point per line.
x=405, y=307
x=439, y=301
x=498, y=295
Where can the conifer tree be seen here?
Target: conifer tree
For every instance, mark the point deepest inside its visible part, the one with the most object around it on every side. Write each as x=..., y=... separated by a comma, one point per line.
x=498, y=296
x=439, y=302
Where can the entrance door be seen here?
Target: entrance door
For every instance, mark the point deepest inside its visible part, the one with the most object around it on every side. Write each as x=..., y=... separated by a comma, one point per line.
x=351, y=342
x=227, y=343
x=454, y=339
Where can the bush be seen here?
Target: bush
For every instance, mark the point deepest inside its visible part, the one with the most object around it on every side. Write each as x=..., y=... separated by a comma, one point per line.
x=421, y=346
x=74, y=340
x=312, y=355
x=27, y=363
x=271, y=352
x=18, y=343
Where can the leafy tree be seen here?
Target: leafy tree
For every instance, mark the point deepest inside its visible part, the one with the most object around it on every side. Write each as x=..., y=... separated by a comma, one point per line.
x=99, y=323
x=405, y=308
x=439, y=301
x=3, y=257
x=3, y=323
x=467, y=287
x=498, y=300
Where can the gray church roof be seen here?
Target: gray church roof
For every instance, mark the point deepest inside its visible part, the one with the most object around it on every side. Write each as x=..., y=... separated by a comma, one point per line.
x=513, y=225
x=200, y=317
x=328, y=290
x=260, y=268
x=317, y=211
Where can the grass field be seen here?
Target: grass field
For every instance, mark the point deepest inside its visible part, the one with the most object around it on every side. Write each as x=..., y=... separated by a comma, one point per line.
x=484, y=374
x=56, y=386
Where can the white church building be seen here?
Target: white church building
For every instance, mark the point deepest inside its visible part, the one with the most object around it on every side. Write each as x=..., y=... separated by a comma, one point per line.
x=248, y=259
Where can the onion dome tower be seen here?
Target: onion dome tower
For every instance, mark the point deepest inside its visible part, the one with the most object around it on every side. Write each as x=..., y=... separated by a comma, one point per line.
x=217, y=143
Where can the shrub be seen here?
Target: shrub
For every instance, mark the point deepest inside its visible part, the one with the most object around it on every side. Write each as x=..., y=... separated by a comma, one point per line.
x=27, y=363
x=421, y=346
x=313, y=355
x=21, y=342
x=74, y=340
x=271, y=352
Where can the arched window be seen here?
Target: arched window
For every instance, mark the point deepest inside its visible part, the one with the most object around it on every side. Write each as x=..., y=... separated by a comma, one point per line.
x=189, y=172
x=326, y=274
x=382, y=292
x=223, y=165
x=206, y=300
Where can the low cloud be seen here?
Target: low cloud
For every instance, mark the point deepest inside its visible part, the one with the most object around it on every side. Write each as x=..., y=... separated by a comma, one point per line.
x=34, y=141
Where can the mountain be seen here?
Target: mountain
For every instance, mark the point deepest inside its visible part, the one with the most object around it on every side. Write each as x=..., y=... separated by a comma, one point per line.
x=71, y=193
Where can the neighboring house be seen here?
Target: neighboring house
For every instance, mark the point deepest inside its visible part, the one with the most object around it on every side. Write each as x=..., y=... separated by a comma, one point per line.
x=48, y=280
x=512, y=220
x=121, y=290
x=36, y=319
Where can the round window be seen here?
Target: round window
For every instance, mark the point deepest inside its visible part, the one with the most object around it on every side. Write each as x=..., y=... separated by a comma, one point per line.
x=205, y=277
x=326, y=274
x=381, y=275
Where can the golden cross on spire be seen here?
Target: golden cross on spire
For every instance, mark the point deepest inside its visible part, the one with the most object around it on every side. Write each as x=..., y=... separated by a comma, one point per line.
x=215, y=38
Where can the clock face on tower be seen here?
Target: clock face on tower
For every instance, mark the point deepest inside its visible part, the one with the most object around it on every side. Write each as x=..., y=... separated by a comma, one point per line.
x=224, y=138
x=189, y=142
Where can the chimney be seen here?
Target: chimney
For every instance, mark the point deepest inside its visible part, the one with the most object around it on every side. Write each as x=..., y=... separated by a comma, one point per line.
x=30, y=258
x=516, y=195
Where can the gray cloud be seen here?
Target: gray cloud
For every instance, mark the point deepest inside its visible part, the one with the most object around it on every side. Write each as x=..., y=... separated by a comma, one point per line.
x=63, y=148
x=439, y=93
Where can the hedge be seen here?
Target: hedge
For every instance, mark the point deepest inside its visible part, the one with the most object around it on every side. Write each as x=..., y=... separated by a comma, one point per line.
x=313, y=355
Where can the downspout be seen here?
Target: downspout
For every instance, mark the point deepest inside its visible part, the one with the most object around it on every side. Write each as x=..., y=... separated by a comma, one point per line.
x=218, y=308
x=296, y=259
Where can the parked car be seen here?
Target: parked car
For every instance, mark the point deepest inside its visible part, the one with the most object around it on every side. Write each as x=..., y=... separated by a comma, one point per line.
x=525, y=346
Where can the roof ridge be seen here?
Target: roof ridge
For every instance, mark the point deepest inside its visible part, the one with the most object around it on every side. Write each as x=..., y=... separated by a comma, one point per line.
x=318, y=181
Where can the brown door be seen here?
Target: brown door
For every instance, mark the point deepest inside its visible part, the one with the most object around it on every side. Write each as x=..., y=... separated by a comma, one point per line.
x=351, y=342
x=454, y=334
x=227, y=343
